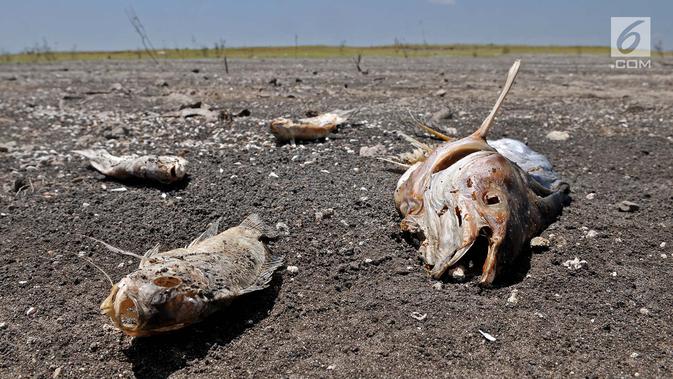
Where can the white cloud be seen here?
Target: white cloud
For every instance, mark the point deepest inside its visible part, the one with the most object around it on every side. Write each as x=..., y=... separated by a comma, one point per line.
x=442, y=2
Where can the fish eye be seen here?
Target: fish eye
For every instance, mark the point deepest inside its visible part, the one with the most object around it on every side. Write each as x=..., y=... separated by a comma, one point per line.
x=490, y=199
x=167, y=281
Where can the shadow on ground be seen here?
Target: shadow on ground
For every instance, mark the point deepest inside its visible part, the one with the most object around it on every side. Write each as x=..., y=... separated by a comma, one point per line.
x=160, y=356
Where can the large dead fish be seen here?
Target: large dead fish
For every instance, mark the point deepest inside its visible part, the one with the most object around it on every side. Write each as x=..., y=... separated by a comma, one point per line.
x=307, y=129
x=164, y=169
x=176, y=288
x=470, y=195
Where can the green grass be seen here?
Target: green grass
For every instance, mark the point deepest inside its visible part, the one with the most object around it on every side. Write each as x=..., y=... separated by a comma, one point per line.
x=317, y=51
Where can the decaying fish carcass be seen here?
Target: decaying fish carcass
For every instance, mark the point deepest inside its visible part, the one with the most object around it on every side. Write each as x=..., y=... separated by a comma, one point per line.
x=164, y=169
x=308, y=129
x=470, y=195
x=173, y=289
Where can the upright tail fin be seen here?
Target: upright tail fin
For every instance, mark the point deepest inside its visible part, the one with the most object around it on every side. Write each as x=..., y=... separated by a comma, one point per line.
x=486, y=125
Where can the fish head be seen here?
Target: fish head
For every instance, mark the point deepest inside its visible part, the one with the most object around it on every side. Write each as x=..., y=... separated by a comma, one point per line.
x=171, y=169
x=473, y=211
x=153, y=300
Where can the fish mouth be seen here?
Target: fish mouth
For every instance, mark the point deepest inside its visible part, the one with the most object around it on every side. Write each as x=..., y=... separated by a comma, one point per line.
x=465, y=262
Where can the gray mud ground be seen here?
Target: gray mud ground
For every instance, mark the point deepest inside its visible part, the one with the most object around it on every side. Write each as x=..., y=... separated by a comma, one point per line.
x=338, y=316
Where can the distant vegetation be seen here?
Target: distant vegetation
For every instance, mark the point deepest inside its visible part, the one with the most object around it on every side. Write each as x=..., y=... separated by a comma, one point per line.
x=43, y=53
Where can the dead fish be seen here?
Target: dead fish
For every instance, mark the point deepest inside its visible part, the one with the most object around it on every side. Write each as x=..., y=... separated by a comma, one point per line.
x=176, y=288
x=467, y=196
x=164, y=169
x=307, y=129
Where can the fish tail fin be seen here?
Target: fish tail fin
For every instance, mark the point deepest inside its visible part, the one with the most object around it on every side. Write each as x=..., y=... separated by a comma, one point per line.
x=266, y=274
x=482, y=132
x=99, y=159
x=254, y=222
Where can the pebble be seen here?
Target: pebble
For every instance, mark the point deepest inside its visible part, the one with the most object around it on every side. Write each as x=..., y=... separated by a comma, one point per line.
x=3, y=325
x=644, y=311
x=558, y=135
x=513, y=299
x=331, y=367
x=440, y=93
x=443, y=114
x=591, y=195
x=368, y=260
x=273, y=175
x=31, y=311
x=662, y=245
x=575, y=264
x=628, y=206
x=437, y=286
x=592, y=233
x=283, y=228
x=664, y=256
x=488, y=336
x=292, y=270
x=57, y=372
x=539, y=242
x=418, y=316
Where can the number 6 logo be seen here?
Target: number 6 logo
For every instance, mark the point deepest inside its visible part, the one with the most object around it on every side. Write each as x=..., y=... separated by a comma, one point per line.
x=630, y=37
x=626, y=34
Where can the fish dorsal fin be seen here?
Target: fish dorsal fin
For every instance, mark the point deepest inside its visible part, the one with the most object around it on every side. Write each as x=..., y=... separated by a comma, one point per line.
x=210, y=232
x=148, y=254
x=254, y=222
x=265, y=275
x=486, y=125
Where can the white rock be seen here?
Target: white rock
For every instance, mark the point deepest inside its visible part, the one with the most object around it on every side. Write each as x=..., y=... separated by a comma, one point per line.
x=31, y=311
x=592, y=233
x=488, y=336
x=331, y=367
x=575, y=264
x=644, y=311
x=368, y=260
x=3, y=325
x=273, y=175
x=283, y=228
x=418, y=316
x=513, y=298
x=539, y=242
x=664, y=256
x=558, y=135
x=662, y=245
x=591, y=196
x=292, y=270
x=437, y=286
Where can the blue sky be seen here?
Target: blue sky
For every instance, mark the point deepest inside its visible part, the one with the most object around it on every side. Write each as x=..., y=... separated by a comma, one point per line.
x=102, y=25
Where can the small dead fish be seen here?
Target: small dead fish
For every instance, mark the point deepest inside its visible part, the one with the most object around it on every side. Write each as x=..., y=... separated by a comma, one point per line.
x=176, y=288
x=164, y=169
x=308, y=129
x=470, y=195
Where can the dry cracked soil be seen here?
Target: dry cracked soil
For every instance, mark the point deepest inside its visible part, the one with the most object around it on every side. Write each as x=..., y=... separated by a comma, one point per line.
x=348, y=310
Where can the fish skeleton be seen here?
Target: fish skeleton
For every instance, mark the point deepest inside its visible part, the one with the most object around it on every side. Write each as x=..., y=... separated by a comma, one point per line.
x=500, y=192
x=307, y=129
x=176, y=288
x=164, y=169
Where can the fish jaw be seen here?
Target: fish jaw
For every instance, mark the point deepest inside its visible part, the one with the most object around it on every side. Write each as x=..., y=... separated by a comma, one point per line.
x=153, y=300
x=480, y=196
x=170, y=169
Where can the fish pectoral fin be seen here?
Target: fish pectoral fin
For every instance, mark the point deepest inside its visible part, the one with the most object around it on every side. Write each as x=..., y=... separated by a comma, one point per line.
x=265, y=276
x=100, y=159
x=211, y=231
x=254, y=222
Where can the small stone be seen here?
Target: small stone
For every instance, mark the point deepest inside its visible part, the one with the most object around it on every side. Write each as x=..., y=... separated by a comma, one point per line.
x=292, y=269
x=664, y=256
x=539, y=242
x=628, y=206
x=591, y=195
x=283, y=228
x=634, y=355
x=592, y=233
x=442, y=114
x=331, y=367
x=662, y=245
x=558, y=135
x=368, y=260
x=437, y=286
x=3, y=325
x=93, y=346
x=273, y=175
x=31, y=311
x=488, y=336
x=57, y=372
x=440, y=93
x=513, y=299
x=418, y=316
x=644, y=311
x=575, y=264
